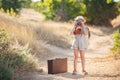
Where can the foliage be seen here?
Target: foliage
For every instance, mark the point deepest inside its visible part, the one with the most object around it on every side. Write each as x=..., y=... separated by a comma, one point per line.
x=101, y=12
x=15, y=5
x=2, y=10
x=116, y=45
x=5, y=70
x=14, y=59
x=8, y=4
x=22, y=59
x=6, y=73
x=26, y=3
x=98, y=12
x=9, y=12
x=60, y=9
x=4, y=41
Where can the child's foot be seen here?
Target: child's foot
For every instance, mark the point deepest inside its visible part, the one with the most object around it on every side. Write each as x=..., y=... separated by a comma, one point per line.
x=85, y=73
x=74, y=73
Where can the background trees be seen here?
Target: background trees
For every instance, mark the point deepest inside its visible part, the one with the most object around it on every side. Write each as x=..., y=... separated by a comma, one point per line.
x=16, y=5
x=101, y=12
x=8, y=4
x=62, y=10
x=98, y=12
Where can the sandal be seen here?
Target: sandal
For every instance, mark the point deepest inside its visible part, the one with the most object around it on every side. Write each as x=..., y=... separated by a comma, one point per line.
x=74, y=73
x=85, y=73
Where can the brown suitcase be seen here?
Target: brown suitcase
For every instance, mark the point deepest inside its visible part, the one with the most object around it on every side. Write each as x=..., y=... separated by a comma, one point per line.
x=58, y=65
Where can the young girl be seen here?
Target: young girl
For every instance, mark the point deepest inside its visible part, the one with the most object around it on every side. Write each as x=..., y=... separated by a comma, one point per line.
x=80, y=42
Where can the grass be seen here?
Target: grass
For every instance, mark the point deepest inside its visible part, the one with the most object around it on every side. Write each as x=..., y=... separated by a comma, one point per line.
x=18, y=59
x=22, y=33
x=54, y=35
x=16, y=29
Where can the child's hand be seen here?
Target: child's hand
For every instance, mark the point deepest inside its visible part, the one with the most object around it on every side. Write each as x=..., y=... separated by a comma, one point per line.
x=0, y=48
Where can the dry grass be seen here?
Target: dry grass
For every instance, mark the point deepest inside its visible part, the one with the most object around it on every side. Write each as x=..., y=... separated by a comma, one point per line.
x=21, y=32
x=54, y=34
x=24, y=33
x=19, y=36
x=37, y=35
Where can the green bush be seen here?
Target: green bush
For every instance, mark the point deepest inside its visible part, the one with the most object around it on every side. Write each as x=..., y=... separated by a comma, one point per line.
x=26, y=3
x=15, y=59
x=22, y=59
x=116, y=44
x=6, y=73
x=8, y=4
x=16, y=5
x=101, y=12
x=4, y=40
x=63, y=10
x=9, y=12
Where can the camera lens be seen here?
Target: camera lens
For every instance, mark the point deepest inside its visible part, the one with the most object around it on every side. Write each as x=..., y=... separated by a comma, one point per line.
x=78, y=23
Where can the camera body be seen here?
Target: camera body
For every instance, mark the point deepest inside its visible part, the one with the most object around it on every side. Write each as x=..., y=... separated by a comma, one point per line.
x=78, y=28
x=78, y=24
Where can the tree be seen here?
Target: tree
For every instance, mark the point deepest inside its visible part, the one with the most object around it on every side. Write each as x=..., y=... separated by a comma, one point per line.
x=26, y=3
x=16, y=5
x=101, y=12
x=63, y=10
x=8, y=4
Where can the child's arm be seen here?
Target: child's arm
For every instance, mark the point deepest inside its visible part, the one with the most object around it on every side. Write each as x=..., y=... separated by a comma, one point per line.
x=73, y=29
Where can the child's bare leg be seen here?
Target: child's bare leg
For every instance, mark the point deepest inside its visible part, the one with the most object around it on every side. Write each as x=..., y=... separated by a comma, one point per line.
x=75, y=59
x=82, y=55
